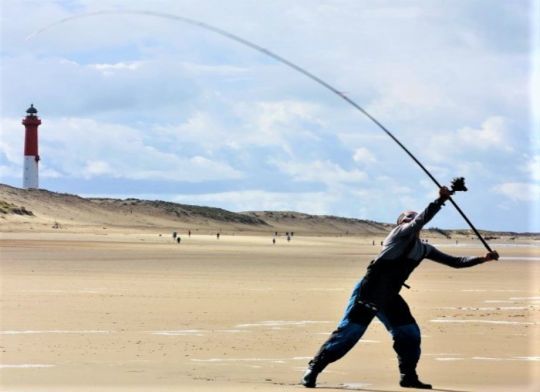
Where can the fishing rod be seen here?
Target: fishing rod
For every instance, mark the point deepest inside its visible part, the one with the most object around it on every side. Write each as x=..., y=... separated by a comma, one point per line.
x=460, y=182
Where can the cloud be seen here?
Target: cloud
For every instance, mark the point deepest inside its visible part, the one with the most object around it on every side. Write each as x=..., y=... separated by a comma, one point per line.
x=491, y=137
x=88, y=148
x=11, y=140
x=532, y=167
x=492, y=134
x=326, y=172
x=47, y=172
x=408, y=94
x=98, y=168
x=519, y=191
x=363, y=155
x=112, y=69
x=11, y=171
x=279, y=122
x=255, y=200
x=243, y=126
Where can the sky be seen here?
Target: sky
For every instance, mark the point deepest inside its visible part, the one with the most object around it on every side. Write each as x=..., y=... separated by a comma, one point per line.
x=141, y=106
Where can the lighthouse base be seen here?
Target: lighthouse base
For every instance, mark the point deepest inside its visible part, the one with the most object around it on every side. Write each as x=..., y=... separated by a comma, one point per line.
x=30, y=172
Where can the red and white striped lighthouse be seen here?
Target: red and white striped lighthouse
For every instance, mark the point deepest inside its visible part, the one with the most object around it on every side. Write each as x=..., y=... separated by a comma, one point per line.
x=31, y=157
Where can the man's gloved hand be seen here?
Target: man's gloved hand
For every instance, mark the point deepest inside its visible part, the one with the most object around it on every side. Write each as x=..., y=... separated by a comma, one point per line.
x=444, y=193
x=491, y=256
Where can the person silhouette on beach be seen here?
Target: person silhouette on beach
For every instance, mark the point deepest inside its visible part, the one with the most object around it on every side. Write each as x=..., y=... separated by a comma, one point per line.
x=377, y=295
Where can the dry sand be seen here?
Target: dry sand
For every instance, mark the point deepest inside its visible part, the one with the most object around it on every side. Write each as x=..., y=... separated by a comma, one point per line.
x=137, y=312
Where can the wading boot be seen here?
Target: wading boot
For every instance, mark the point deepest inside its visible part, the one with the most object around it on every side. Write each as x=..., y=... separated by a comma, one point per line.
x=410, y=380
x=309, y=380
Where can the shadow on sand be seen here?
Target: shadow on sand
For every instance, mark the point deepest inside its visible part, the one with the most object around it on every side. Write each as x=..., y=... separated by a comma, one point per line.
x=367, y=389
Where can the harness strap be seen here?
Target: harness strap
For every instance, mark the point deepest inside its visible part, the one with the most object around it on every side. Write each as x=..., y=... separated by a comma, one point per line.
x=406, y=252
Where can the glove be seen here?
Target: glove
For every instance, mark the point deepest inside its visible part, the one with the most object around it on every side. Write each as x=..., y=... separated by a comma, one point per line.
x=492, y=256
x=444, y=193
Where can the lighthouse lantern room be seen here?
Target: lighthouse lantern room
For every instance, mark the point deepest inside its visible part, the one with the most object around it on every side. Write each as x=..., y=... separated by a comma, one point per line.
x=31, y=156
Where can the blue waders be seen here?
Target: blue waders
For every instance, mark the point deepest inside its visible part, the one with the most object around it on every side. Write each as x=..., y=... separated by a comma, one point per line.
x=393, y=312
x=376, y=295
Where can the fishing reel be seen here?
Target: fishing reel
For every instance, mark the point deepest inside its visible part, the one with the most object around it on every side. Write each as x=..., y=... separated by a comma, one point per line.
x=458, y=185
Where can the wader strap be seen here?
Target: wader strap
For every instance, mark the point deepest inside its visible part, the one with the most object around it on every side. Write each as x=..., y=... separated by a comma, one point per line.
x=406, y=252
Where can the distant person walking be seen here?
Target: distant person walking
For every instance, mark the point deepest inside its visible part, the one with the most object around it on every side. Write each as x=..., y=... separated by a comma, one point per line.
x=377, y=295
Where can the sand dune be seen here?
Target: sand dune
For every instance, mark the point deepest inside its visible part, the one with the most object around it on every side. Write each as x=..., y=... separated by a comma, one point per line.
x=42, y=211
x=75, y=213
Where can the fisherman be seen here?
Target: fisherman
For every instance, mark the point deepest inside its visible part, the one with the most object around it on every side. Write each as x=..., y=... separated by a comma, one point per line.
x=377, y=294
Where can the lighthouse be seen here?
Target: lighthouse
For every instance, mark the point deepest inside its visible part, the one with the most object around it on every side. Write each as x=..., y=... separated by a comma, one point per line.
x=31, y=157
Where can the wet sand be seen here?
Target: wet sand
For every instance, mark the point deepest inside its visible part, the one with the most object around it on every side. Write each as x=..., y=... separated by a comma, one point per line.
x=87, y=312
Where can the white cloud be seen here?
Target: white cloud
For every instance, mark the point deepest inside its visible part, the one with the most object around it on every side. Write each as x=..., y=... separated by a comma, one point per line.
x=326, y=172
x=279, y=122
x=45, y=171
x=402, y=92
x=111, y=69
x=215, y=70
x=12, y=140
x=533, y=167
x=88, y=148
x=200, y=127
x=254, y=200
x=10, y=171
x=363, y=155
x=519, y=191
x=491, y=136
x=97, y=168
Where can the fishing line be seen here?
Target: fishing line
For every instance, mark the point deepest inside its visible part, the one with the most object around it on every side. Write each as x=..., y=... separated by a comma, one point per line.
x=279, y=59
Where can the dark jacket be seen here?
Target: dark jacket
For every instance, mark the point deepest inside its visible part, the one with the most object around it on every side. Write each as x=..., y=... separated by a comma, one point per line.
x=402, y=252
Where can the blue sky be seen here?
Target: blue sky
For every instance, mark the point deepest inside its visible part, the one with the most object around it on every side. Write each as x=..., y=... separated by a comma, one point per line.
x=146, y=107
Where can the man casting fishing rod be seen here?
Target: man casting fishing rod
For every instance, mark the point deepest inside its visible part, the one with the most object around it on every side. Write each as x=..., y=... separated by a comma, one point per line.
x=377, y=294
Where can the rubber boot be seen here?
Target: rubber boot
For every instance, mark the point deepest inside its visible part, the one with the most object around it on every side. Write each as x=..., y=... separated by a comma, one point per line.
x=309, y=380
x=410, y=380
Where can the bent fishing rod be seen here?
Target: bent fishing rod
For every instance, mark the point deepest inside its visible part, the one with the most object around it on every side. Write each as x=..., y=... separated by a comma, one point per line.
x=457, y=184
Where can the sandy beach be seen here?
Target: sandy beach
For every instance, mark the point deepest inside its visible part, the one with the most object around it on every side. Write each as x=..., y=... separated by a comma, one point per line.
x=137, y=311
